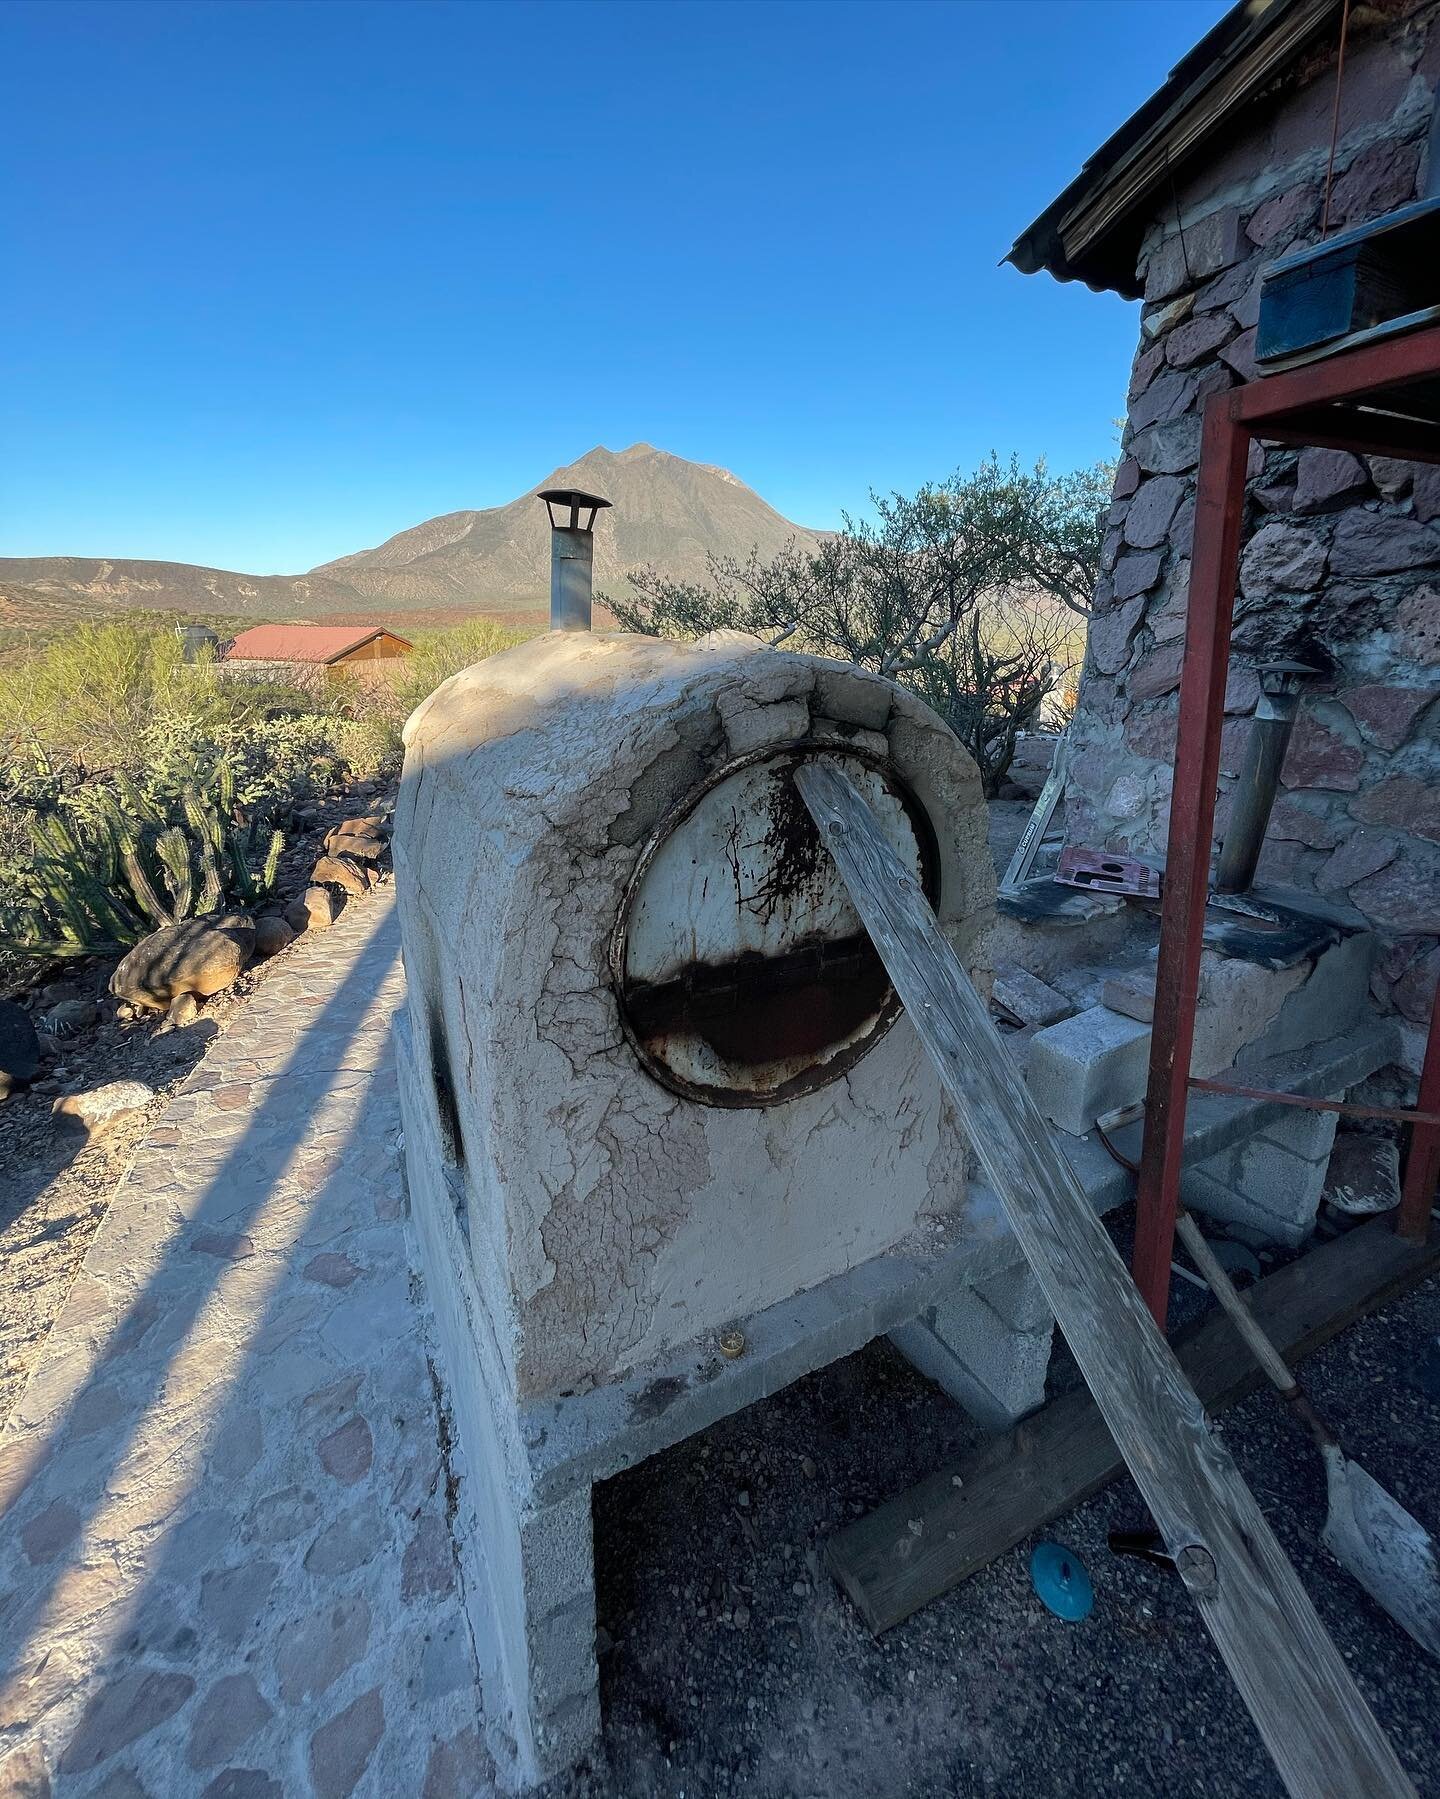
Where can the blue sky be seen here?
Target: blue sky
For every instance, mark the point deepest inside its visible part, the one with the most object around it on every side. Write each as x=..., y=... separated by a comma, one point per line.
x=282, y=279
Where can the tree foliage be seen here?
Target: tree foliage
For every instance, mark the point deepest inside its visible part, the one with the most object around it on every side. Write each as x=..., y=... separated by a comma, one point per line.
x=964, y=592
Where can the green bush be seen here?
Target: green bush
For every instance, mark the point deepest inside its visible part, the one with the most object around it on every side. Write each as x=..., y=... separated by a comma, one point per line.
x=104, y=863
x=439, y=654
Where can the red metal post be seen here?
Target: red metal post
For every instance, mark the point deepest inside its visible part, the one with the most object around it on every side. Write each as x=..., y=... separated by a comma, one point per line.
x=1214, y=560
x=1422, y=1165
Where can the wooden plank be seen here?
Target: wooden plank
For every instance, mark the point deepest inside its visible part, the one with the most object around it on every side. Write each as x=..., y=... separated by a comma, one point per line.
x=937, y=1533
x=1317, y=1727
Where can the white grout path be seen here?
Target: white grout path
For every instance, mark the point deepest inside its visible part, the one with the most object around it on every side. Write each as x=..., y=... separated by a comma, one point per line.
x=225, y=1563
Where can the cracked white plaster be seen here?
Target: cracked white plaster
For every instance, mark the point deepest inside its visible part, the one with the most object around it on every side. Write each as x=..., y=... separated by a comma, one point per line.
x=610, y=1218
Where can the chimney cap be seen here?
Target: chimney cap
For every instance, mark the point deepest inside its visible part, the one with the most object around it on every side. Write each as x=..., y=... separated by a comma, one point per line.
x=577, y=501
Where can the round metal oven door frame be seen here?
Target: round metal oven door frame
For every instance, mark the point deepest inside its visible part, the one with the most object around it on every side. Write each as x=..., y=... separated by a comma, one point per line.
x=822, y=1073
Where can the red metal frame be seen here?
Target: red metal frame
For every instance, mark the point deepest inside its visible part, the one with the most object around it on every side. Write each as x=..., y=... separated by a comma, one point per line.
x=1338, y=403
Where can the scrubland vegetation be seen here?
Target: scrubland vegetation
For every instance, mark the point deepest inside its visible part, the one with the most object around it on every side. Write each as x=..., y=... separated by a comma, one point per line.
x=137, y=788
x=972, y=592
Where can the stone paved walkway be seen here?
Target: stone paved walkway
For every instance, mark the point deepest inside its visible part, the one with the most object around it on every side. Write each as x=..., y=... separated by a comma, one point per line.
x=225, y=1562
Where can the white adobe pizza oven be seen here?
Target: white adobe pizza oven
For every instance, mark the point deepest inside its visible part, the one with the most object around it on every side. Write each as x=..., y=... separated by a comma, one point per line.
x=670, y=1141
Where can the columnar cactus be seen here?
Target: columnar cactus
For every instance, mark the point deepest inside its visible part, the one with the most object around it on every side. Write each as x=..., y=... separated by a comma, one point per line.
x=114, y=863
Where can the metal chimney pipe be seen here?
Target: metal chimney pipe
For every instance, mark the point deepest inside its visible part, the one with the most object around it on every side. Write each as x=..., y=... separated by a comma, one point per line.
x=1281, y=685
x=572, y=555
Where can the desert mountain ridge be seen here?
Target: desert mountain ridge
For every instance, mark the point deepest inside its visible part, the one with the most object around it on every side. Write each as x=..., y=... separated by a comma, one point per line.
x=664, y=510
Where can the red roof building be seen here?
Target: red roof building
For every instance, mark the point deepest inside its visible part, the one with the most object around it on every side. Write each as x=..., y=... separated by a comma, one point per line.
x=329, y=646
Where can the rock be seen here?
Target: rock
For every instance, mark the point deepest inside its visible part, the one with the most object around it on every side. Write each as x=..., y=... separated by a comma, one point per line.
x=1417, y=625
x=19, y=1043
x=1317, y=757
x=1384, y=713
x=1239, y=355
x=202, y=955
x=1380, y=179
x=1157, y=673
x=1282, y=219
x=1168, y=447
x=1363, y=1175
x=1127, y=479
x=1199, y=339
x=1392, y=477
x=1413, y=805
x=1363, y=854
x=1281, y=559
x=1328, y=479
x=1152, y=510
x=1137, y=573
x=1131, y=994
x=99, y=1111
x=315, y=910
x=272, y=934
x=1380, y=543
x=1110, y=634
x=1426, y=486
x=363, y=843
x=71, y=1016
x=1404, y=895
x=184, y=1010
x=1148, y=365
x=1209, y=245
x=339, y=871
x=7, y=1085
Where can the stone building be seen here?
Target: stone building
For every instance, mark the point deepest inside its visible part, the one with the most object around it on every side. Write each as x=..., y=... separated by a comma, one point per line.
x=1220, y=172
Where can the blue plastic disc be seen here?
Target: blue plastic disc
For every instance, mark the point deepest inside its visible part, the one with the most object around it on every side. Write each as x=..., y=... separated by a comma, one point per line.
x=1058, y=1576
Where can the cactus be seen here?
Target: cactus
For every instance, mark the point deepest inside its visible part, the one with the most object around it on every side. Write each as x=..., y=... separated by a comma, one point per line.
x=116, y=863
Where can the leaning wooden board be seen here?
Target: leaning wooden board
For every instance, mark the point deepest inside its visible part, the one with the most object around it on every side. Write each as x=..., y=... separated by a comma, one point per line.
x=940, y=1531
x=1319, y=1731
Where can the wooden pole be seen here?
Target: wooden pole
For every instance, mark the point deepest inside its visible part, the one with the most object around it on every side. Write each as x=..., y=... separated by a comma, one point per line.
x=1318, y=1729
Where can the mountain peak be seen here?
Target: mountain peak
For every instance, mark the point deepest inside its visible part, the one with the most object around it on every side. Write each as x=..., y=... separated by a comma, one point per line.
x=665, y=511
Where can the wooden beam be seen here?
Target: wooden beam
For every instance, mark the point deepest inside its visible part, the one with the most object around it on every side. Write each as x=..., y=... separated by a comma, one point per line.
x=975, y=1509
x=1316, y=1725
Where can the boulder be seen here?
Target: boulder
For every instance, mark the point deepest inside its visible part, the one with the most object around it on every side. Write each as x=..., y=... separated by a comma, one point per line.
x=202, y=956
x=314, y=911
x=1363, y=1176
x=341, y=872
x=360, y=842
x=71, y=1016
x=272, y=934
x=99, y=1111
x=19, y=1043
x=184, y=1010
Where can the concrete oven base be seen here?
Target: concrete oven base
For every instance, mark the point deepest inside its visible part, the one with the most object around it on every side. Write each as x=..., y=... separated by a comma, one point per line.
x=958, y=1300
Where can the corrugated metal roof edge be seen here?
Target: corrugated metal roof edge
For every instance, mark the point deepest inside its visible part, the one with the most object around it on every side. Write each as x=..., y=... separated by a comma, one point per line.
x=1040, y=245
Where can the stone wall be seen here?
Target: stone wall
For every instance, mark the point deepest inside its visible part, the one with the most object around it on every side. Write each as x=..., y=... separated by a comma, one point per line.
x=1337, y=549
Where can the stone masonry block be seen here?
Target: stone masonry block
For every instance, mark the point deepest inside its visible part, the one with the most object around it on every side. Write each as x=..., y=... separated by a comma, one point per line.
x=1092, y=1063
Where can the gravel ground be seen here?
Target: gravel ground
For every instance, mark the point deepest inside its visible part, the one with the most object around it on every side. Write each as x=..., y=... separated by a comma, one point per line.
x=731, y=1664
x=53, y=1191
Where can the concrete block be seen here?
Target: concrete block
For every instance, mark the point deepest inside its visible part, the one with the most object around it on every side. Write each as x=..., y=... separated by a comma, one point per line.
x=1089, y=1064
x=1131, y=994
x=1028, y=999
x=988, y=1347
x=1271, y=1184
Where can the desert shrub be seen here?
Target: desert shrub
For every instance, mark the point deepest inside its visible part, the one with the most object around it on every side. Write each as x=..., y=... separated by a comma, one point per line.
x=101, y=862
x=441, y=653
